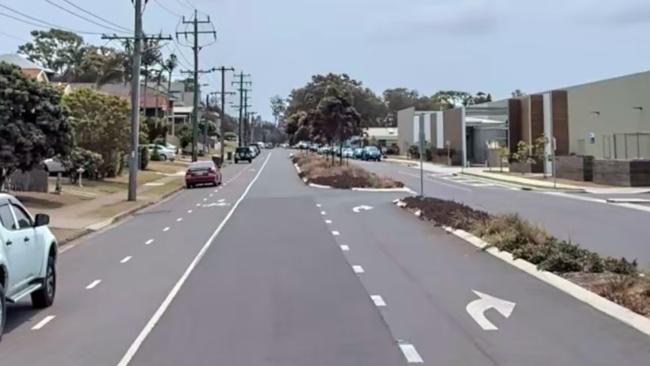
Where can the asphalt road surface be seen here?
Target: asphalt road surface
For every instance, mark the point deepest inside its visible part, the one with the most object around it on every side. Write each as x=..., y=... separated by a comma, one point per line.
x=267, y=271
x=608, y=229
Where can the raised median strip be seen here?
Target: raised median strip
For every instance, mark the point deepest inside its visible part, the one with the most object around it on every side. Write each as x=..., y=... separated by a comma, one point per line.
x=613, y=286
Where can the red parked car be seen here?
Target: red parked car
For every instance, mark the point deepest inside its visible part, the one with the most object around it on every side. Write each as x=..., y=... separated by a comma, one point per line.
x=202, y=172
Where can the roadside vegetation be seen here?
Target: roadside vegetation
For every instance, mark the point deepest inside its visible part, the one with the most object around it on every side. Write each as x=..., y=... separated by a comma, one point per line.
x=320, y=170
x=616, y=279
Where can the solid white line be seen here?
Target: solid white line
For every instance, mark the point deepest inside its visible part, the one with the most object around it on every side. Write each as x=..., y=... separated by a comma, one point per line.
x=166, y=229
x=93, y=284
x=43, y=322
x=128, y=356
x=345, y=248
x=148, y=242
x=335, y=233
x=378, y=300
x=410, y=353
x=125, y=259
x=328, y=221
x=189, y=211
x=323, y=213
x=358, y=269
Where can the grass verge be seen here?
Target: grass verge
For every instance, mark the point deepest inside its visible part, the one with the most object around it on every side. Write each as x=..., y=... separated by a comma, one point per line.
x=616, y=279
x=320, y=170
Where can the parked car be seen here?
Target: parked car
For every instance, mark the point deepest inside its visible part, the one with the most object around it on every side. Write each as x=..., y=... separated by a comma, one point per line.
x=371, y=153
x=164, y=152
x=256, y=149
x=28, y=252
x=243, y=153
x=202, y=172
x=358, y=153
x=348, y=153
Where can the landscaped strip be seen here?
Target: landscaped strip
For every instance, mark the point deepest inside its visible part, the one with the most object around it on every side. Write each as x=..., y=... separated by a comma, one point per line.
x=324, y=172
x=615, y=279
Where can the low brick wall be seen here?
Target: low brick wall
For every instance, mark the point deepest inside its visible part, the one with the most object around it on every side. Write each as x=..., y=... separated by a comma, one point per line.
x=516, y=167
x=622, y=173
x=578, y=168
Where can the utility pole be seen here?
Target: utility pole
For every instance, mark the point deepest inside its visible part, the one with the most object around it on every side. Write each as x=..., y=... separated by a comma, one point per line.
x=223, y=93
x=195, y=33
x=243, y=103
x=251, y=126
x=138, y=37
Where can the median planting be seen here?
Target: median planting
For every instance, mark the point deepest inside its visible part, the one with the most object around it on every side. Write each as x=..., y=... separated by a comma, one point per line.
x=616, y=279
x=320, y=170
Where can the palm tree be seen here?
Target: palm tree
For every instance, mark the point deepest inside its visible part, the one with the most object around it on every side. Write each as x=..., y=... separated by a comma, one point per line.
x=151, y=56
x=170, y=65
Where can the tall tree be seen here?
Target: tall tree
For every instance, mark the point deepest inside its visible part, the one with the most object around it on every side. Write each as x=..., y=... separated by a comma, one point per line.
x=151, y=56
x=278, y=108
x=58, y=50
x=33, y=126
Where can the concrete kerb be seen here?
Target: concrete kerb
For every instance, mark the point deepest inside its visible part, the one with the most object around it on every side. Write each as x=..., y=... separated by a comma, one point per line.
x=526, y=186
x=99, y=226
x=618, y=312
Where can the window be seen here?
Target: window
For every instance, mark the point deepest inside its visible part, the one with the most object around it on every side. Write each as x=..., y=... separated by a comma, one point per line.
x=23, y=219
x=6, y=218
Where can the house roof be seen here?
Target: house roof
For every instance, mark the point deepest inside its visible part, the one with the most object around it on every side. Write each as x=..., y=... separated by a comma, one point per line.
x=23, y=63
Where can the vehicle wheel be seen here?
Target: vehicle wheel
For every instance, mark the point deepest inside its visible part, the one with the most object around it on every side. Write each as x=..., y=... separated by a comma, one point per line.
x=236, y=161
x=163, y=157
x=3, y=310
x=44, y=297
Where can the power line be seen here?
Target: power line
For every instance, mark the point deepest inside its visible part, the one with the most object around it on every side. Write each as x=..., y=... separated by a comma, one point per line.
x=184, y=5
x=82, y=17
x=96, y=16
x=168, y=10
x=40, y=23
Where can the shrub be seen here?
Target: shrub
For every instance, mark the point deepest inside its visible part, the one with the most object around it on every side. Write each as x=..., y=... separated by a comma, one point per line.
x=155, y=155
x=510, y=232
x=90, y=161
x=628, y=292
x=414, y=151
x=144, y=157
x=621, y=266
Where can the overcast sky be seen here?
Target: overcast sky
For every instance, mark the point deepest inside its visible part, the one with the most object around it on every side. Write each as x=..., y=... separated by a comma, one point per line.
x=494, y=46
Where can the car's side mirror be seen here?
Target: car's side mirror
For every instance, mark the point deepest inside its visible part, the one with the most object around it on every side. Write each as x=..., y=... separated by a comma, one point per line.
x=41, y=220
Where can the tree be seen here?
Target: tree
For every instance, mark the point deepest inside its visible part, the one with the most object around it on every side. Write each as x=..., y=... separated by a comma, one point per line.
x=33, y=126
x=101, y=124
x=101, y=65
x=55, y=49
x=518, y=93
x=170, y=64
x=337, y=119
x=452, y=98
x=151, y=56
x=278, y=107
x=371, y=108
x=481, y=98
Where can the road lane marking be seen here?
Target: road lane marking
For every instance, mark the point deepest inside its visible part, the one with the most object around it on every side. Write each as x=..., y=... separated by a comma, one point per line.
x=221, y=200
x=335, y=233
x=44, y=322
x=125, y=259
x=166, y=229
x=345, y=248
x=198, y=205
x=358, y=269
x=323, y=213
x=436, y=181
x=211, y=195
x=148, y=242
x=318, y=205
x=205, y=199
x=410, y=353
x=137, y=343
x=378, y=300
x=189, y=211
x=93, y=284
x=329, y=222
x=179, y=219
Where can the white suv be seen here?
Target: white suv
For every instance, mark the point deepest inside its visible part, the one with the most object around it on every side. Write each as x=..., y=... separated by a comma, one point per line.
x=165, y=152
x=28, y=253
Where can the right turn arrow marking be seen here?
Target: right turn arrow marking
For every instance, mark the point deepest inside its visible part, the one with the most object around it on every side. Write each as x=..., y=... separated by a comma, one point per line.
x=477, y=308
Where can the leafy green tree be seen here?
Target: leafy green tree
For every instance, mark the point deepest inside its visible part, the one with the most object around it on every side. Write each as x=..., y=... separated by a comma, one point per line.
x=33, y=126
x=58, y=50
x=101, y=124
x=185, y=135
x=337, y=120
x=101, y=65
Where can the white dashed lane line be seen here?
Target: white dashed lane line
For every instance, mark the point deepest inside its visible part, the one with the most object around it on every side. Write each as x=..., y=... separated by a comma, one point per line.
x=335, y=233
x=378, y=300
x=358, y=269
x=329, y=222
x=148, y=242
x=179, y=219
x=198, y=205
x=205, y=199
x=125, y=259
x=93, y=284
x=189, y=211
x=410, y=353
x=43, y=322
x=345, y=248
x=221, y=200
x=318, y=205
x=166, y=229
x=323, y=213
